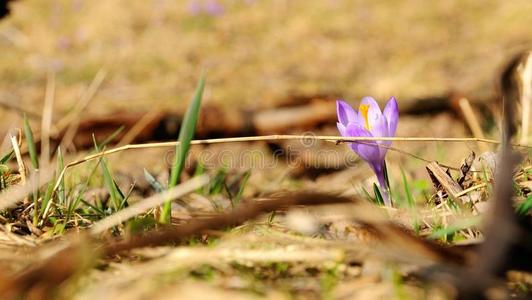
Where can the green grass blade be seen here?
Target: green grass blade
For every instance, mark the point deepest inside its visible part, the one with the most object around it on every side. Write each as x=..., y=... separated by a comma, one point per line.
x=217, y=184
x=411, y=203
x=47, y=197
x=386, y=177
x=186, y=133
x=408, y=191
x=378, y=195
x=7, y=157
x=114, y=193
x=125, y=197
x=367, y=195
x=242, y=185
x=31, y=143
x=525, y=207
x=61, y=188
x=452, y=229
x=200, y=170
x=101, y=214
x=74, y=204
x=112, y=137
x=28, y=133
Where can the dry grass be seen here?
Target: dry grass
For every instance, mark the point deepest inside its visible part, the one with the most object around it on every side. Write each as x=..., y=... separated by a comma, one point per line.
x=153, y=50
x=232, y=239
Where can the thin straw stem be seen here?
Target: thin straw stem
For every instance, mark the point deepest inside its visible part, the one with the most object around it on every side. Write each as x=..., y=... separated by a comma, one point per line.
x=307, y=137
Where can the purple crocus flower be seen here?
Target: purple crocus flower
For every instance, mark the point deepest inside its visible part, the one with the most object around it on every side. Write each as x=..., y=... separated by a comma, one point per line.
x=206, y=7
x=194, y=7
x=213, y=8
x=369, y=121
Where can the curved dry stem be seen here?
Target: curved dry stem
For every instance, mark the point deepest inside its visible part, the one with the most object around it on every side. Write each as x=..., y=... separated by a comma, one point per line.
x=332, y=139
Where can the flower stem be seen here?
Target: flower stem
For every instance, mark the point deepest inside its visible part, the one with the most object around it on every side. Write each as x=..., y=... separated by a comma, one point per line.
x=380, y=171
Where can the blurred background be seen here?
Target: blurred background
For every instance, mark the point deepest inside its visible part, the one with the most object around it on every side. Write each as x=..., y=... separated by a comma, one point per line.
x=272, y=66
x=257, y=53
x=126, y=70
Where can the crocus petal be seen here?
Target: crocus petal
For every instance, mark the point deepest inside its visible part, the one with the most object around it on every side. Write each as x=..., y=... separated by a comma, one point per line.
x=378, y=123
x=367, y=150
x=341, y=129
x=343, y=132
x=380, y=129
x=391, y=112
x=374, y=111
x=346, y=114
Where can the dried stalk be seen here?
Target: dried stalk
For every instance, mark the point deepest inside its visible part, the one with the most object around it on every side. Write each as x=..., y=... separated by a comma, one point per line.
x=472, y=122
x=46, y=122
x=20, y=162
x=332, y=139
x=71, y=121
